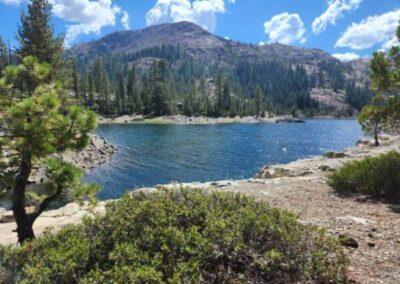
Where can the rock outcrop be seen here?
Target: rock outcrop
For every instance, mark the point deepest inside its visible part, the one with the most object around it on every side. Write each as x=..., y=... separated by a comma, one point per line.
x=98, y=152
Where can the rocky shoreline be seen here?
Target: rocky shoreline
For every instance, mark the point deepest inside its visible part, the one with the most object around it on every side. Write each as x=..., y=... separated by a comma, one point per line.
x=369, y=229
x=99, y=151
x=181, y=119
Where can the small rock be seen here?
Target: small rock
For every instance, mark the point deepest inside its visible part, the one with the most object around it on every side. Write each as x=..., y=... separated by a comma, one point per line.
x=348, y=241
x=334, y=155
x=362, y=198
x=325, y=168
x=371, y=245
x=361, y=221
x=225, y=183
x=362, y=142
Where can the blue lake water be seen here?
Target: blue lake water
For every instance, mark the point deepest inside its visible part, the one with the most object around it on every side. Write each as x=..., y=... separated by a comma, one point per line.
x=159, y=154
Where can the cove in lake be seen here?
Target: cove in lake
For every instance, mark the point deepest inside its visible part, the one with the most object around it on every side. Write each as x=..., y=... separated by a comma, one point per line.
x=161, y=154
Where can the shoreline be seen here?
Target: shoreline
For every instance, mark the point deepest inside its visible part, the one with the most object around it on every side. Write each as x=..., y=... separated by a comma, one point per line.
x=300, y=187
x=204, y=120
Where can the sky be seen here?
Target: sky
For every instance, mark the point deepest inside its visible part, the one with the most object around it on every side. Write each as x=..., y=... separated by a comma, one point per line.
x=348, y=29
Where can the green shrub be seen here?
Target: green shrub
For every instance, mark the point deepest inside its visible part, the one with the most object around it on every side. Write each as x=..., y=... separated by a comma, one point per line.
x=376, y=176
x=183, y=236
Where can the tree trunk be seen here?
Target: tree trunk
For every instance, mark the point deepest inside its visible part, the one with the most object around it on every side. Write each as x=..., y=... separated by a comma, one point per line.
x=376, y=130
x=25, y=230
x=24, y=222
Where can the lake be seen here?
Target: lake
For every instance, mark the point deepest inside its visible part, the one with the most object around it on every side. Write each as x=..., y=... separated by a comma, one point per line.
x=160, y=154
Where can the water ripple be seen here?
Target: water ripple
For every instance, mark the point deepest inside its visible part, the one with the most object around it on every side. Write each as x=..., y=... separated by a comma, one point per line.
x=156, y=154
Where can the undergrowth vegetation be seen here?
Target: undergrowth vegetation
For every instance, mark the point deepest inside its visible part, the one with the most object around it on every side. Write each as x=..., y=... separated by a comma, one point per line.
x=181, y=236
x=375, y=176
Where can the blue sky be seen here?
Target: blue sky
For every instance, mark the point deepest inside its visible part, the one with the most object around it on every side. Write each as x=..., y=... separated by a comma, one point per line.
x=346, y=28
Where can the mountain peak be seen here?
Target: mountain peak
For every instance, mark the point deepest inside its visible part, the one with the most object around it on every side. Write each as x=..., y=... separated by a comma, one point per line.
x=196, y=41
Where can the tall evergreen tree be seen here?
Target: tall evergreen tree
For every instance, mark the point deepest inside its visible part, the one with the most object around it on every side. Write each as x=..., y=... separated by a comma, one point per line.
x=121, y=94
x=75, y=79
x=36, y=36
x=91, y=88
x=259, y=101
x=226, y=98
x=384, y=112
x=219, y=93
x=4, y=58
x=132, y=90
x=38, y=120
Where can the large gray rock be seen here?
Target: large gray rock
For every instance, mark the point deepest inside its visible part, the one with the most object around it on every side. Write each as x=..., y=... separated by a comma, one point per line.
x=357, y=220
x=268, y=172
x=98, y=142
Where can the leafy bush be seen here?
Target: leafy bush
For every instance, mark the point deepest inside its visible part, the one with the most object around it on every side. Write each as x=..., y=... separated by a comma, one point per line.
x=376, y=176
x=183, y=236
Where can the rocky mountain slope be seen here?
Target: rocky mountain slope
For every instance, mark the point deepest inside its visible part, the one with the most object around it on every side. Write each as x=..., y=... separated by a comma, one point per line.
x=332, y=76
x=198, y=43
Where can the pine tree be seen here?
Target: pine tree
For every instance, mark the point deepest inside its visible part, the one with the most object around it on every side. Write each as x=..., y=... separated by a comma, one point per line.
x=132, y=90
x=75, y=79
x=91, y=88
x=226, y=94
x=258, y=101
x=384, y=112
x=146, y=97
x=121, y=94
x=83, y=83
x=372, y=117
x=219, y=93
x=38, y=120
x=36, y=36
x=4, y=58
x=158, y=78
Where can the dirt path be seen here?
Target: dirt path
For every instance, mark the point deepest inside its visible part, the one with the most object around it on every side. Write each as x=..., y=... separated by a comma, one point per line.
x=374, y=226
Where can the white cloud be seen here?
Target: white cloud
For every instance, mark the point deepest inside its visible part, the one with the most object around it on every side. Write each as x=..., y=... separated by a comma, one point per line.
x=261, y=43
x=375, y=30
x=285, y=28
x=201, y=12
x=85, y=16
x=335, y=10
x=125, y=20
x=347, y=56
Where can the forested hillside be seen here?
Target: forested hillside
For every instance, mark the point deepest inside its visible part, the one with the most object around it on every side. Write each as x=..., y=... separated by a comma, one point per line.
x=181, y=68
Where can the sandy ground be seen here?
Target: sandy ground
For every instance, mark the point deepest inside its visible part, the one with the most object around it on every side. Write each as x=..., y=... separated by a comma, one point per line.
x=301, y=187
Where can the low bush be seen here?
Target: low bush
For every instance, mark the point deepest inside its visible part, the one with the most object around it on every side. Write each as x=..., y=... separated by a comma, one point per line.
x=375, y=176
x=183, y=236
